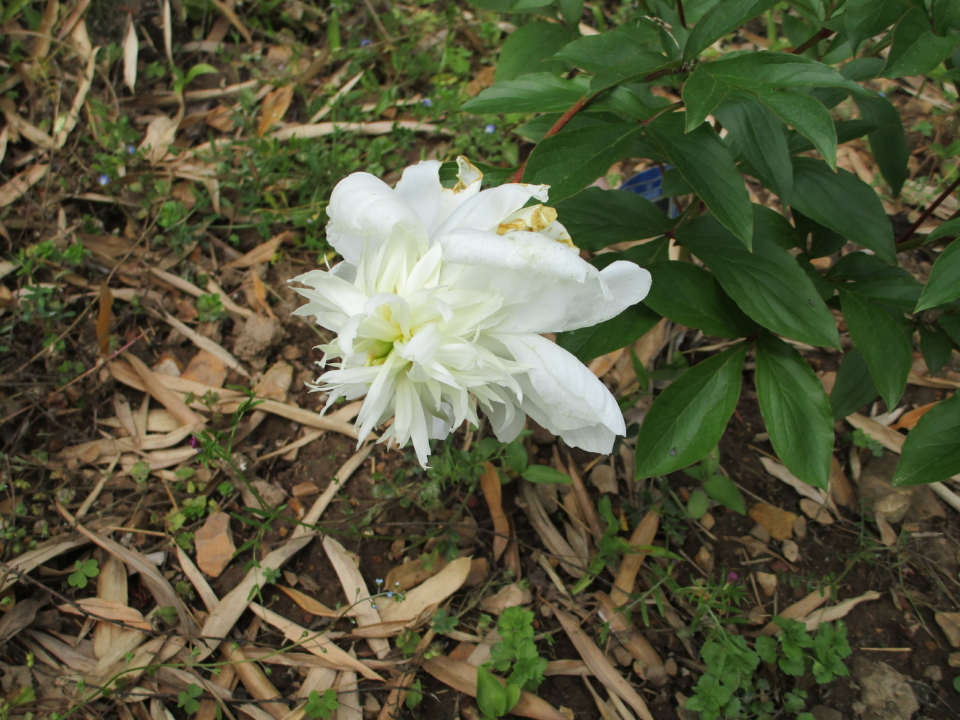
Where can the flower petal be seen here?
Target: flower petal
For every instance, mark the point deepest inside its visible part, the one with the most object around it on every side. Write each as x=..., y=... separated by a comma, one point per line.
x=485, y=211
x=420, y=188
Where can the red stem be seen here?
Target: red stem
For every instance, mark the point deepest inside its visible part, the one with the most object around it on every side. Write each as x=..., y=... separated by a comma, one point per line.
x=929, y=211
x=822, y=35
x=683, y=18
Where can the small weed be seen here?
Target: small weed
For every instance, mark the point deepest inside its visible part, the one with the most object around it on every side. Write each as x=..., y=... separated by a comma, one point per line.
x=321, y=706
x=516, y=652
x=83, y=572
x=187, y=700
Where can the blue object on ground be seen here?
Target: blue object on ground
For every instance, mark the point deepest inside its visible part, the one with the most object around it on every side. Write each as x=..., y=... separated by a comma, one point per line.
x=649, y=184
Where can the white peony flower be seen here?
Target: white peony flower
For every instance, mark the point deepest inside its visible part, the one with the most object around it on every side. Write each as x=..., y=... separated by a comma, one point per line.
x=440, y=303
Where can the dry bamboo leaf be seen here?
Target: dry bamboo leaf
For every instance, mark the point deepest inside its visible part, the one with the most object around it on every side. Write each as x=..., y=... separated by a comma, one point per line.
x=12, y=191
x=328, y=106
x=838, y=611
x=462, y=677
x=127, y=669
x=587, y=508
x=111, y=587
x=316, y=643
x=492, y=492
x=38, y=556
x=224, y=679
x=252, y=711
x=362, y=608
x=548, y=533
x=4, y=138
x=234, y=19
x=160, y=134
x=200, y=584
x=158, y=585
x=110, y=446
x=566, y=667
x=104, y=316
x=348, y=695
x=643, y=535
x=69, y=122
x=67, y=654
x=125, y=418
x=600, y=666
x=131, y=48
x=398, y=694
x=840, y=489
x=314, y=607
x=909, y=420
x=635, y=643
x=606, y=712
x=41, y=47
x=255, y=681
x=261, y=253
x=205, y=343
x=372, y=128
x=107, y=610
x=305, y=417
x=781, y=473
x=228, y=303
x=274, y=107
x=123, y=373
x=799, y=609
x=430, y=593
x=155, y=387
x=260, y=293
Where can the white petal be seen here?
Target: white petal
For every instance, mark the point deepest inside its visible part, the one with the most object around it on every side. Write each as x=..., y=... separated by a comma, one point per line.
x=563, y=396
x=364, y=211
x=421, y=189
x=485, y=210
x=525, y=251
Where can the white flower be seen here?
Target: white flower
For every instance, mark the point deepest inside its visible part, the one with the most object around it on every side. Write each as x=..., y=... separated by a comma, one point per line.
x=440, y=303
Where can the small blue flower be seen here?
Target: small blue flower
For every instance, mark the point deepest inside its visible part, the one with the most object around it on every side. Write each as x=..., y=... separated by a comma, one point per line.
x=131, y=148
x=390, y=593
x=365, y=42
x=378, y=581
x=427, y=102
x=491, y=128
x=373, y=606
x=103, y=179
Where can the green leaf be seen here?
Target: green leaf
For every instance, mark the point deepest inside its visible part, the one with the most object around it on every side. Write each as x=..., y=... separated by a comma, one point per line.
x=570, y=161
x=536, y=92
x=613, y=334
x=491, y=695
x=691, y=296
x=643, y=255
x=944, y=283
x=760, y=136
x=763, y=71
x=931, y=452
x=888, y=142
x=572, y=11
x=951, y=325
x=513, y=694
x=704, y=162
x=595, y=53
x=936, y=348
x=915, y=49
x=844, y=203
x=697, y=505
x=767, y=283
x=808, y=117
x=688, y=418
x=545, y=475
x=723, y=490
x=884, y=346
x=724, y=17
x=597, y=218
x=795, y=409
x=526, y=49
x=951, y=228
x=492, y=175
x=701, y=94
x=633, y=68
x=853, y=387
x=864, y=19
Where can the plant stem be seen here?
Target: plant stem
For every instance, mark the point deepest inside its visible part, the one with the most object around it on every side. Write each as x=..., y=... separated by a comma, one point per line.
x=822, y=35
x=929, y=211
x=683, y=18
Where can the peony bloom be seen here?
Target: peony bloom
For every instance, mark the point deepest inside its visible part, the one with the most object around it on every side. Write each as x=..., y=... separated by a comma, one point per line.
x=440, y=303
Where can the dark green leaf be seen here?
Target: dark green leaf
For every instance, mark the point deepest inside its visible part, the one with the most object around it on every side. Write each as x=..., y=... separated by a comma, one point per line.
x=823, y=240
x=767, y=284
x=572, y=11
x=701, y=93
x=688, y=418
x=950, y=322
x=885, y=348
x=704, y=162
x=674, y=185
x=944, y=283
x=570, y=161
x=536, y=92
x=915, y=49
x=697, y=505
x=691, y=296
x=538, y=126
x=865, y=19
x=643, y=255
x=795, y=409
x=847, y=130
x=597, y=218
x=525, y=50
x=762, y=71
x=774, y=228
x=759, y=135
x=853, y=387
x=936, y=348
x=808, y=117
x=844, y=203
x=931, y=452
x=589, y=343
x=724, y=17
x=946, y=14
x=595, y=53
x=824, y=287
x=888, y=142
x=951, y=228
x=545, y=475
x=723, y=490
x=633, y=68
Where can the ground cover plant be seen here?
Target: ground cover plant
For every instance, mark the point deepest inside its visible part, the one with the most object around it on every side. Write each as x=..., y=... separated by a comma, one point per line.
x=184, y=535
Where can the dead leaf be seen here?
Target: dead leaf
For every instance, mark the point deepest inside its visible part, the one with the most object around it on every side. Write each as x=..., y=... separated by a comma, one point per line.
x=108, y=610
x=779, y=523
x=643, y=535
x=840, y=489
x=160, y=134
x=15, y=188
x=207, y=369
x=165, y=20
x=492, y=492
x=549, y=534
x=104, y=317
x=781, y=473
x=768, y=582
x=909, y=420
x=360, y=605
x=481, y=81
x=799, y=609
x=510, y=595
x=214, y=543
x=814, y=619
x=314, y=607
x=432, y=592
x=950, y=624
x=41, y=46
x=161, y=393
x=111, y=587
x=635, y=643
x=131, y=48
x=205, y=343
x=262, y=253
x=816, y=511
x=274, y=107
